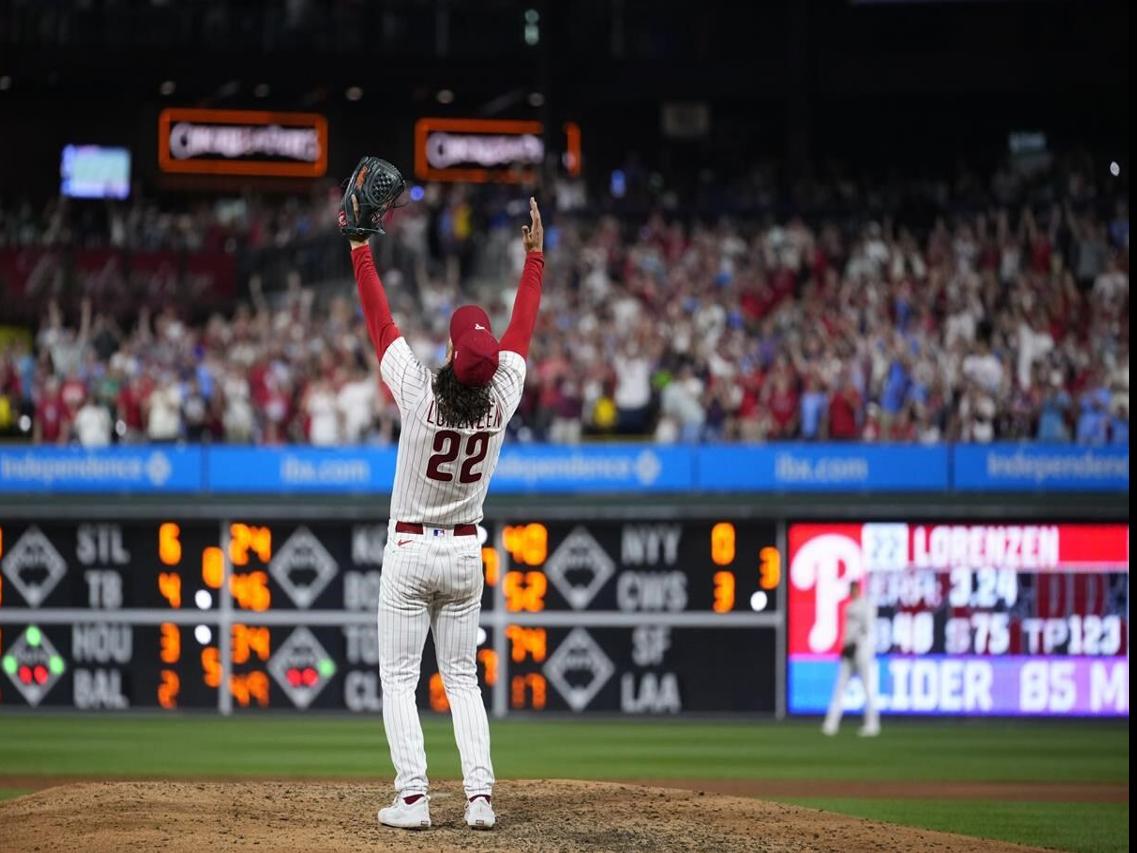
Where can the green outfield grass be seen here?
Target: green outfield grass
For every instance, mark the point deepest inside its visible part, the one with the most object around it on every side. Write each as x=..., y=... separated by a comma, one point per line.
x=353, y=747
x=1090, y=827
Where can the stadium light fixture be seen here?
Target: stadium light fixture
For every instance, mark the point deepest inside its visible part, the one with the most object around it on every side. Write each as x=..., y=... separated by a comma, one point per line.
x=532, y=27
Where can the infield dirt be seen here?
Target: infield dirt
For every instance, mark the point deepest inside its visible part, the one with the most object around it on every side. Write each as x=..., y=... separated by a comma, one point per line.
x=534, y=815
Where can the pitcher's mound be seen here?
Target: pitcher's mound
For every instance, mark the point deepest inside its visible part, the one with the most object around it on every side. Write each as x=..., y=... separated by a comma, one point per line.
x=536, y=815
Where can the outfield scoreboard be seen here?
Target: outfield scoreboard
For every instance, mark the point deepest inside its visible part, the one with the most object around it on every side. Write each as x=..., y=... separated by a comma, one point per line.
x=641, y=616
x=95, y=650
x=973, y=619
x=636, y=616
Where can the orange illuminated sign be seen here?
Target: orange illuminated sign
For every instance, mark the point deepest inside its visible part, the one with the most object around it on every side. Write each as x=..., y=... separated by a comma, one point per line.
x=487, y=150
x=253, y=143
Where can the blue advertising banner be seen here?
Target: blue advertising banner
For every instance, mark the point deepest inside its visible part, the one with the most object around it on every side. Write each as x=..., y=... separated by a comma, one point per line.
x=821, y=468
x=109, y=470
x=1040, y=467
x=602, y=468
x=987, y=685
x=559, y=469
x=265, y=470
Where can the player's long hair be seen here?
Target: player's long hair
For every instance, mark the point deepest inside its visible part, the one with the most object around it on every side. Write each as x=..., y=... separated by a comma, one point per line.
x=457, y=403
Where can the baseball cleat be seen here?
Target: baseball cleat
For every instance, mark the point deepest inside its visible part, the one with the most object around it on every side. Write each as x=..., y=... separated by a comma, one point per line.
x=869, y=731
x=479, y=814
x=403, y=815
x=828, y=730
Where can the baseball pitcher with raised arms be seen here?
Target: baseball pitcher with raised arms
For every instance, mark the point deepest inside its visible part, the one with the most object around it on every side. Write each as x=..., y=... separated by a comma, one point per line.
x=453, y=426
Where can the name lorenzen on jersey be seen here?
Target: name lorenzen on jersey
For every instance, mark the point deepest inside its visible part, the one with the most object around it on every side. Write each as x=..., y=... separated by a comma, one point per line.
x=491, y=420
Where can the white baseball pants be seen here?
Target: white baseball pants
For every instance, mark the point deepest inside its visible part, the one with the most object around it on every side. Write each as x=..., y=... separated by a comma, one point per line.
x=863, y=665
x=432, y=580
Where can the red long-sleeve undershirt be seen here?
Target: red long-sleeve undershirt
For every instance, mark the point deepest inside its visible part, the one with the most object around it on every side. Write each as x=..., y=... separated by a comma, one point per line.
x=380, y=324
x=525, y=305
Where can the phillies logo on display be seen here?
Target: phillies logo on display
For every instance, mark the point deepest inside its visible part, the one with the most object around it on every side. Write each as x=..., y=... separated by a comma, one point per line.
x=824, y=560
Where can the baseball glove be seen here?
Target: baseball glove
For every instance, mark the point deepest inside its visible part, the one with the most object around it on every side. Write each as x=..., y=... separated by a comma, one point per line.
x=849, y=651
x=372, y=190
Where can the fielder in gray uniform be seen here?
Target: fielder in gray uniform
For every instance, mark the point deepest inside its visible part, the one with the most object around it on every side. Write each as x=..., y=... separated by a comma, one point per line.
x=858, y=657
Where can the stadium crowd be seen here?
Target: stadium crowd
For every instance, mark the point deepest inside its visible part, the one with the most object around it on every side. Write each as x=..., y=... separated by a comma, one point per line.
x=995, y=321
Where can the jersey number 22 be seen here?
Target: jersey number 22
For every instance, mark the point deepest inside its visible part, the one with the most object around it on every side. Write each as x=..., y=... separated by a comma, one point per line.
x=446, y=445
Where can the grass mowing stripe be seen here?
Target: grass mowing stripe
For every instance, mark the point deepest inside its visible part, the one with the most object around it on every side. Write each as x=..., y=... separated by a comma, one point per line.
x=1081, y=827
x=354, y=746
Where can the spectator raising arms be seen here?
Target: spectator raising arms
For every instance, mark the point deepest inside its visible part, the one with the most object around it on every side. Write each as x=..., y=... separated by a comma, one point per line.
x=995, y=320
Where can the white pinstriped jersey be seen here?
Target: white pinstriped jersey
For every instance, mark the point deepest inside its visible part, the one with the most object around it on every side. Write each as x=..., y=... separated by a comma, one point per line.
x=860, y=623
x=443, y=470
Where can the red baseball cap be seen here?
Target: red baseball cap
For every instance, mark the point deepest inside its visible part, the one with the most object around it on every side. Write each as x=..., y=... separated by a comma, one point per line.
x=475, y=347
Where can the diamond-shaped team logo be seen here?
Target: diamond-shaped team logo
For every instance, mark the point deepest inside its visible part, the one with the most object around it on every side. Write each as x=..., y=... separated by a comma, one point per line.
x=301, y=667
x=578, y=669
x=579, y=567
x=33, y=664
x=33, y=566
x=303, y=567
